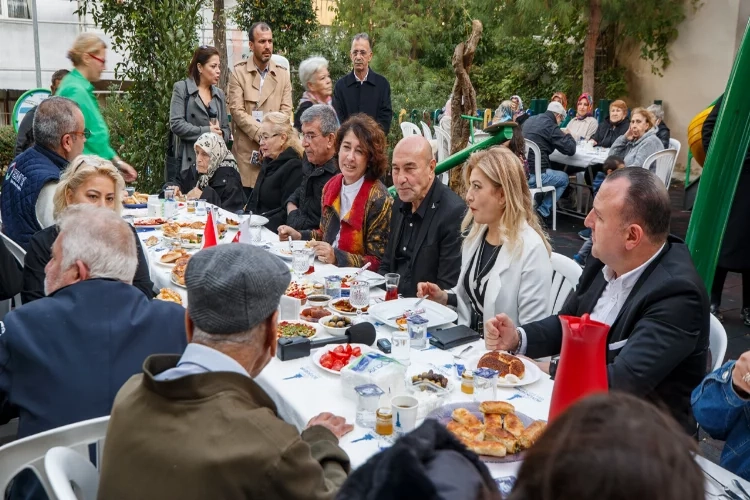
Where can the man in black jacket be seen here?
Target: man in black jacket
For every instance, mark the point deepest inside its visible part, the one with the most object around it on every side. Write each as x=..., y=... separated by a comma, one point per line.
x=642, y=283
x=319, y=165
x=363, y=90
x=425, y=241
x=544, y=130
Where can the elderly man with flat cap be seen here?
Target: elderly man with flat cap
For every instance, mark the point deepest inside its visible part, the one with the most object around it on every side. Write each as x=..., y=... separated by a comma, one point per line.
x=199, y=426
x=425, y=241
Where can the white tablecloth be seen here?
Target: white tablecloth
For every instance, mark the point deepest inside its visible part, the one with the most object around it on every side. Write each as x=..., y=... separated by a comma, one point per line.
x=583, y=157
x=301, y=390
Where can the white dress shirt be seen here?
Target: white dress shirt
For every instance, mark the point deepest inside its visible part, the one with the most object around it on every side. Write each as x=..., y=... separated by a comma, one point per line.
x=612, y=299
x=363, y=80
x=198, y=359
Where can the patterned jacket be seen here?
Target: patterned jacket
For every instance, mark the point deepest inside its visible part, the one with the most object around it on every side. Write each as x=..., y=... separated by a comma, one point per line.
x=364, y=230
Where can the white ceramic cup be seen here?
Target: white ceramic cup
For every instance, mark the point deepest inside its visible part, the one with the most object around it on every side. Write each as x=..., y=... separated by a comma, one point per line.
x=404, y=413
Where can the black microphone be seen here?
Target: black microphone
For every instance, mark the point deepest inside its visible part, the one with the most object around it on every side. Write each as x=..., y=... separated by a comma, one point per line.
x=299, y=347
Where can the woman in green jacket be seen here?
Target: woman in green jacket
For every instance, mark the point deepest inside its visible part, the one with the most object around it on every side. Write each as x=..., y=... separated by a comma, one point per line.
x=89, y=58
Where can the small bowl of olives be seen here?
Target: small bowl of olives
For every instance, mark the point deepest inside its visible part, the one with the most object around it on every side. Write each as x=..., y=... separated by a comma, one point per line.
x=336, y=324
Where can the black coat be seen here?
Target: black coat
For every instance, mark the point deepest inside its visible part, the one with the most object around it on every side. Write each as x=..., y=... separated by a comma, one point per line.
x=301, y=108
x=437, y=253
x=546, y=133
x=277, y=180
x=40, y=253
x=11, y=277
x=25, y=137
x=735, y=247
x=429, y=463
x=224, y=188
x=373, y=97
x=308, y=196
x=607, y=132
x=664, y=325
x=662, y=132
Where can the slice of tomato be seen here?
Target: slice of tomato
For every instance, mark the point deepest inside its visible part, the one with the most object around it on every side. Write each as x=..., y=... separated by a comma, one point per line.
x=339, y=348
x=339, y=356
x=337, y=366
x=356, y=352
x=327, y=363
x=326, y=358
x=348, y=348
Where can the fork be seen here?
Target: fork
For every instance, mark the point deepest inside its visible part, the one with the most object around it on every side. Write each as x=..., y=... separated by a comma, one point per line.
x=728, y=492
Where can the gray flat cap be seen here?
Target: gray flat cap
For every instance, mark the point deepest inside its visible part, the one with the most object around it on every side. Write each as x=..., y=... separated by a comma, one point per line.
x=234, y=287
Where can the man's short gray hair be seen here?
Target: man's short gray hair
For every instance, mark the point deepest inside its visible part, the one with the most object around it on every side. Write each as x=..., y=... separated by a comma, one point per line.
x=329, y=122
x=99, y=238
x=309, y=67
x=658, y=111
x=54, y=117
x=362, y=36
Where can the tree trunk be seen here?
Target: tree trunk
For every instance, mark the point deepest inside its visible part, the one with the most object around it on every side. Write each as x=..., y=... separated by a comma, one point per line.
x=589, y=45
x=220, y=42
x=464, y=101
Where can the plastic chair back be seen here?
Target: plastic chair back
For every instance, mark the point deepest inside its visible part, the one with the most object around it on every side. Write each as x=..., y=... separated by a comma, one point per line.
x=29, y=452
x=426, y=131
x=717, y=341
x=565, y=275
x=408, y=128
x=70, y=472
x=675, y=144
x=662, y=164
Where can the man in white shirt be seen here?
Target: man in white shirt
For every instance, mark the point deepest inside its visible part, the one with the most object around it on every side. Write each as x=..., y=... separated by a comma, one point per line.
x=642, y=283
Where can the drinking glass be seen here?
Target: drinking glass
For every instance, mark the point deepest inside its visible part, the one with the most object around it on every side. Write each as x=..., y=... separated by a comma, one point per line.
x=200, y=207
x=485, y=384
x=391, y=286
x=190, y=206
x=299, y=262
x=256, y=235
x=333, y=286
x=130, y=190
x=359, y=295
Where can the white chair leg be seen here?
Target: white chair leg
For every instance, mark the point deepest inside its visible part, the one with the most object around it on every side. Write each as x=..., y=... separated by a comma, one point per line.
x=554, y=210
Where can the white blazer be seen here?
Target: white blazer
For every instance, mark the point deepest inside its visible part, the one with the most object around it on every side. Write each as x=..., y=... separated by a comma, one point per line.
x=519, y=284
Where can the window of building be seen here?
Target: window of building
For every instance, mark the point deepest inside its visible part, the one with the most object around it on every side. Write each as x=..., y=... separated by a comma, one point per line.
x=16, y=9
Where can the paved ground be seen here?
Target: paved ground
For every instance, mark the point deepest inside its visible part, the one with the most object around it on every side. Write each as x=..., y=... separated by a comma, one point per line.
x=567, y=242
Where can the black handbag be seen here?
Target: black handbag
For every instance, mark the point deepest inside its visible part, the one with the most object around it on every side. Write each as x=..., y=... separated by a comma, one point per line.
x=173, y=162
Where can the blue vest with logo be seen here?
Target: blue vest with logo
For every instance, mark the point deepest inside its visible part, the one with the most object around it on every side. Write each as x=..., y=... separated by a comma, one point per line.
x=23, y=182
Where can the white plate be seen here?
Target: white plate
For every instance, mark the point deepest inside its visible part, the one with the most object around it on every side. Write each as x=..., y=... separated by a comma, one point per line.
x=320, y=352
x=281, y=248
x=318, y=328
x=419, y=369
x=374, y=279
x=531, y=375
x=141, y=226
x=256, y=220
x=332, y=307
x=435, y=314
x=171, y=278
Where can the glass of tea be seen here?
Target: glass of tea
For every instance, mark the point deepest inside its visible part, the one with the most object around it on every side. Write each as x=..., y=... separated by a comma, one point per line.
x=391, y=286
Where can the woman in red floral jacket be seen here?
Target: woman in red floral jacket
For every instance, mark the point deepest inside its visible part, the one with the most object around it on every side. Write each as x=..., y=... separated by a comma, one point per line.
x=356, y=206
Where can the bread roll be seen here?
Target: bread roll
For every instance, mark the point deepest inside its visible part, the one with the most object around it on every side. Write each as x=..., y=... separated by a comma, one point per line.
x=500, y=435
x=531, y=434
x=493, y=449
x=474, y=433
x=496, y=407
x=503, y=362
x=493, y=420
x=465, y=417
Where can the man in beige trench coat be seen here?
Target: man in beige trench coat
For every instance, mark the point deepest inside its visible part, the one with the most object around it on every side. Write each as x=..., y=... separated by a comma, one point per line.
x=256, y=86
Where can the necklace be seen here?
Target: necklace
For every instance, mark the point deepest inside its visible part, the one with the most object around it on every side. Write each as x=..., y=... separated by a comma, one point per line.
x=480, y=272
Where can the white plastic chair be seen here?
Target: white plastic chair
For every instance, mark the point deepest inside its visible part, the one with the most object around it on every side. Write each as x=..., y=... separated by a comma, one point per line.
x=408, y=128
x=675, y=144
x=663, y=164
x=281, y=61
x=444, y=150
x=426, y=131
x=70, y=472
x=717, y=341
x=29, y=452
x=20, y=255
x=530, y=145
x=565, y=275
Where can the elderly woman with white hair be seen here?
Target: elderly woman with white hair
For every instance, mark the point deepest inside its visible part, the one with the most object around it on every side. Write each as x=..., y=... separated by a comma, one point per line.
x=91, y=180
x=662, y=131
x=315, y=79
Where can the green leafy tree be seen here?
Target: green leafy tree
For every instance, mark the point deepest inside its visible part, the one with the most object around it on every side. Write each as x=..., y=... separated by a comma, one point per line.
x=292, y=21
x=158, y=38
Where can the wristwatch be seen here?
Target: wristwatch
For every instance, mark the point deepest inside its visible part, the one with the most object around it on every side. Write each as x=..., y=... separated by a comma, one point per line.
x=553, y=367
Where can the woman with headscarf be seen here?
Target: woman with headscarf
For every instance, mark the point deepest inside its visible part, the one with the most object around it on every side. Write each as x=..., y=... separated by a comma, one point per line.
x=214, y=177
x=584, y=124
x=519, y=114
x=562, y=98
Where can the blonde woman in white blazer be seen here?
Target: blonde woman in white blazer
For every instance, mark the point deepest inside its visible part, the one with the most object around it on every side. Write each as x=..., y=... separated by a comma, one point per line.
x=505, y=261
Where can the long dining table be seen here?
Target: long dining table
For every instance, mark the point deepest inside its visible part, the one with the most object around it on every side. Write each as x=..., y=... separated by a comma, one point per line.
x=301, y=389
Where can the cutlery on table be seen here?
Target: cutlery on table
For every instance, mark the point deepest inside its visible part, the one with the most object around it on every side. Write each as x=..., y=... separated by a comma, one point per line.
x=460, y=354
x=727, y=491
x=414, y=308
x=360, y=271
x=290, y=243
x=739, y=486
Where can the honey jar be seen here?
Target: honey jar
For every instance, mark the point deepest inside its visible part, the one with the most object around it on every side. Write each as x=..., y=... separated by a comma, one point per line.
x=384, y=421
x=467, y=382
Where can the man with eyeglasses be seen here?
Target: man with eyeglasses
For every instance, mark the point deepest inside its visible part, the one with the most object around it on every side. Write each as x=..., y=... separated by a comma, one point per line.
x=29, y=185
x=363, y=90
x=257, y=86
x=319, y=165
x=25, y=136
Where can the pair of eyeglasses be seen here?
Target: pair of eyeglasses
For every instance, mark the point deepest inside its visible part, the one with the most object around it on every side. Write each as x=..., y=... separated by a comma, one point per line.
x=359, y=53
x=309, y=137
x=86, y=133
x=265, y=137
x=96, y=58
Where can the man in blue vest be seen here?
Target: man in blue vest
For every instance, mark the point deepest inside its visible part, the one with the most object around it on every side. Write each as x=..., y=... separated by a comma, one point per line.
x=26, y=203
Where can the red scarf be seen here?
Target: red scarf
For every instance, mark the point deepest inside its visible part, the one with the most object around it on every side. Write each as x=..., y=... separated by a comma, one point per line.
x=351, y=237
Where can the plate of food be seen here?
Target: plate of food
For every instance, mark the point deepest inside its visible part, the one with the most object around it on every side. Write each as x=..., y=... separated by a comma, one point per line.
x=169, y=295
x=343, y=306
x=138, y=200
x=494, y=430
x=178, y=272
x=333, y=359
x=301, y=289
x=197, y=224
x=152, y=222
x=288, y=329
x=347, y=273
x=170, y=257
x=393, y=312
x=151, y=241
x=513, y=370
x=281, y=248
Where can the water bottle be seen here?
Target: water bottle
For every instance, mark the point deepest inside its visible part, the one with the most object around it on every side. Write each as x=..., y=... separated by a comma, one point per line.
x=401, y=346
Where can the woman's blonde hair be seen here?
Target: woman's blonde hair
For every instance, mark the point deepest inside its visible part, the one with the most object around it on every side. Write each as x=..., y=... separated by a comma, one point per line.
x=79, y=170
x=505, y=171
x=85, y=43
x=648, y=115
x=280, y=125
